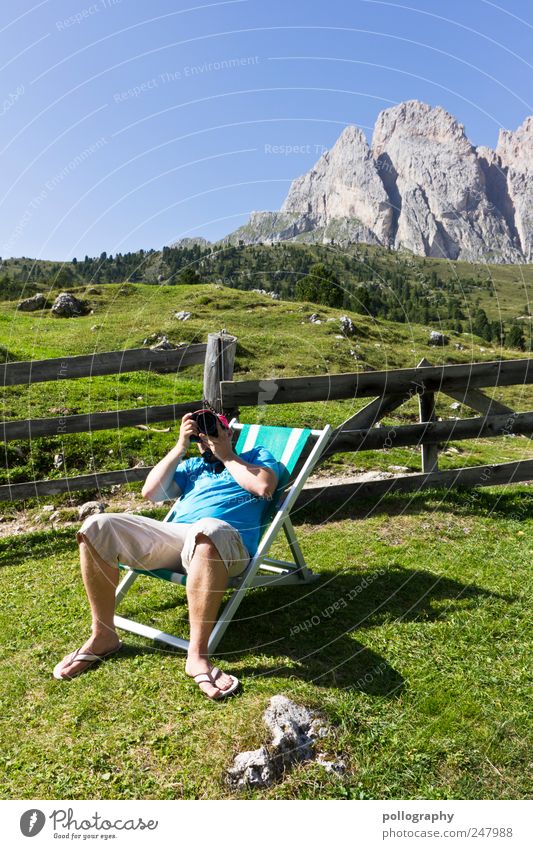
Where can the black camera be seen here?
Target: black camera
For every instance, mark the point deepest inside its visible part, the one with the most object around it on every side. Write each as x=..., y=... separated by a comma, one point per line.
x=207, y=423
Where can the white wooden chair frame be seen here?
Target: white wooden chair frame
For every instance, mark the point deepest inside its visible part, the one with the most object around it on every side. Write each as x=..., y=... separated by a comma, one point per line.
x=261, y=571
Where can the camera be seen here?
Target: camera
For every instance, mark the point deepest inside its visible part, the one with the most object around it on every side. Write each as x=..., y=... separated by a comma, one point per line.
x=207, y=423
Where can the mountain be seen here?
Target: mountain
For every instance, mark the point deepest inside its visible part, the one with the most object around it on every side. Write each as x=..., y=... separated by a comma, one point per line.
x=421, y=185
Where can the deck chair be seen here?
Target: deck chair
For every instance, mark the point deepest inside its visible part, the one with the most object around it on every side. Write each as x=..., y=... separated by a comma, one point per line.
x=288, y=446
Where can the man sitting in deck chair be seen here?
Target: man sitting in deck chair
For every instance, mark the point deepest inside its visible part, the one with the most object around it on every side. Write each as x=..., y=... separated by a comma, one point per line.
x=213, y=534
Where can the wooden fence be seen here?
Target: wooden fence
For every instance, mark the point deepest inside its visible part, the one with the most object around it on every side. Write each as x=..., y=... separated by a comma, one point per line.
x=393, y=388
x=217, y=356
x=362, y=431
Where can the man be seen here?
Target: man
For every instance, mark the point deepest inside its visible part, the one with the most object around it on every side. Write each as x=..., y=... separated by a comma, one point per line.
x=213, y=534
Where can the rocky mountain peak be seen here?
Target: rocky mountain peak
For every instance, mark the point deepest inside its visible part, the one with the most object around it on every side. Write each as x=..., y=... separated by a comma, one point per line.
x=421, y=185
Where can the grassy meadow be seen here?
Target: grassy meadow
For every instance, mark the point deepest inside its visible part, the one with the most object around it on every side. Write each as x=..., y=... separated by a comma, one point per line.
x=421, y=672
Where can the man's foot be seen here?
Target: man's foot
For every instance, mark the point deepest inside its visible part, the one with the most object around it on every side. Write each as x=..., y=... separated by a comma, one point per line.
x=92, y=652
x=214, y=683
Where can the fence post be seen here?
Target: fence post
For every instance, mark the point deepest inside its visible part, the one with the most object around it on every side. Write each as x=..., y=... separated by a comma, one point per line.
x=426, y=409
x=219, y=361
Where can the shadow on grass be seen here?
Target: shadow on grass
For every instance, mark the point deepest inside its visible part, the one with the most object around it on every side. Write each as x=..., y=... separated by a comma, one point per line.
x=463, y=501
x=40, y=544
x=310, y=632
x=315, y=627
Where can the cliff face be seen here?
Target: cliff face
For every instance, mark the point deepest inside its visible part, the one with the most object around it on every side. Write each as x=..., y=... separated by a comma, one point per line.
x=421, y=185
x=515, y=152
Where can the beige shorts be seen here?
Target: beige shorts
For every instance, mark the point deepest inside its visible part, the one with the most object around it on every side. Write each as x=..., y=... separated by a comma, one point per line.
x=145, y=543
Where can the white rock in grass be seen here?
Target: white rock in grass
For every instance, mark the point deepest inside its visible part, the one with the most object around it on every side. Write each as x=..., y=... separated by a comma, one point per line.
x=294, y=731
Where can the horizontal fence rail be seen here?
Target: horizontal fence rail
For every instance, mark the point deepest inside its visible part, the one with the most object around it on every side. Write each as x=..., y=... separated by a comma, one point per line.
x=87, y=422
x=335, y=387
x=495, y=474
x=94, y=480
x=430, y=432
x=95, y=365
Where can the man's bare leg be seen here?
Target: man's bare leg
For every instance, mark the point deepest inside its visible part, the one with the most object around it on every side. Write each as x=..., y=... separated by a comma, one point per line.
x=100, y=580
x=207, y=579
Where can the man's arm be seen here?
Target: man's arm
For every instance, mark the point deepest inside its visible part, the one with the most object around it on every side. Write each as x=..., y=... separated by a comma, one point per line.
x=160, y=484
x=258, y=480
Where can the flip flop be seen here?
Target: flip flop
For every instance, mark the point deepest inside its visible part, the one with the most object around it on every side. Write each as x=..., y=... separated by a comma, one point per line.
x=210, y=678
x=88, y=657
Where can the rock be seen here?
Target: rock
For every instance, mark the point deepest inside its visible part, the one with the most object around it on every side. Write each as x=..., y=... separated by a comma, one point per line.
x=456, y=405
x=36, y=302
x=163, y=345
x=514, y=153
x=347, y=325
x=253, y=769
x=153, y=337
x=343, y=193
x=91, y=507
x=183, y=315
x=436, y=338
x=67, y=306
x=314, y=319
x=420, y=186
x=336, y=767
x=47, y=508
x=293, y=730
x=273, y=295
x=398, y=468
x=93, y=291
x=435, y=173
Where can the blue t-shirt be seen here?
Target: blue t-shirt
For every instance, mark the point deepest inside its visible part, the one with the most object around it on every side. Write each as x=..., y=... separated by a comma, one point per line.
x=219, y=496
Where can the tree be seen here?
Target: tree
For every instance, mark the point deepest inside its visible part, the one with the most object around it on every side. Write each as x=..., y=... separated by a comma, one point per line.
x=189, y=276
x=320, y=286
x=514, y=338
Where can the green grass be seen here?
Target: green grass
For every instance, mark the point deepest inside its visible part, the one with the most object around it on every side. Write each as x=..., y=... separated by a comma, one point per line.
x=422, y=673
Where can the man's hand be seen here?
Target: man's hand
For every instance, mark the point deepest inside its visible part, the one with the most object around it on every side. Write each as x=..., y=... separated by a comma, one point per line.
x=220, y=445
x=188, y=428
x=160, y=484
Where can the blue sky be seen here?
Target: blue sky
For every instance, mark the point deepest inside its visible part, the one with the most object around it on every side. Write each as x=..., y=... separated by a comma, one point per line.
x=128, y=125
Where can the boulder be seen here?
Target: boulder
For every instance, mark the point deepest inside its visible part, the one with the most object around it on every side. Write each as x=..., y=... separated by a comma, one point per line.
x=347, y=325
x=68, y=306
x=436, y=338
x=36, y=302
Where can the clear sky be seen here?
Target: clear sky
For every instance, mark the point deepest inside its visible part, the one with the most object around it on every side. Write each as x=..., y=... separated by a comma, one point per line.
x=128, y=125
